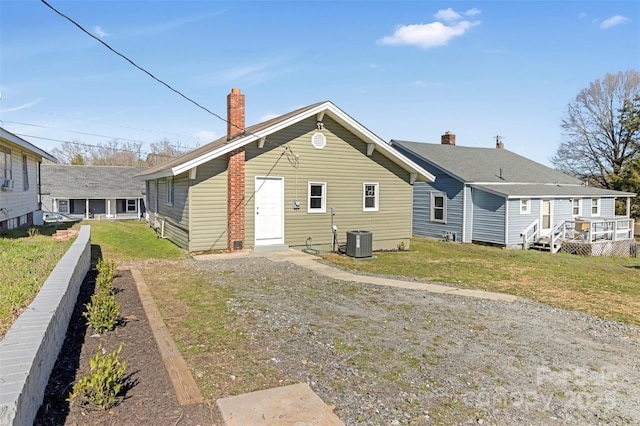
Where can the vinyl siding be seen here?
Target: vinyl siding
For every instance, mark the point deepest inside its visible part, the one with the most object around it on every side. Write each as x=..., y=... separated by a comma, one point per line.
x=488, y=217
x=444, y=183
x=19, y=202
x=208, y=206
x=176, y=215
x=344, y=166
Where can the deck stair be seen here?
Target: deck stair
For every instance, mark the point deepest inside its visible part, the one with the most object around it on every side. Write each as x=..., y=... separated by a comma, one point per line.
x=544, y=244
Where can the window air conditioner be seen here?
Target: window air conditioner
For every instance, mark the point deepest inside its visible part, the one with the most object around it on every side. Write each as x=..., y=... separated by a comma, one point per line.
x=6, y=184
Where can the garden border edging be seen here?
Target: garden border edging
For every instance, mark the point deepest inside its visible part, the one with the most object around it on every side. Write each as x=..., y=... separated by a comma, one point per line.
x=31, y=346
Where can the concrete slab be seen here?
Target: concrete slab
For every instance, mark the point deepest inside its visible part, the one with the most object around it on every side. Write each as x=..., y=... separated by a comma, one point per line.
x=294, y=405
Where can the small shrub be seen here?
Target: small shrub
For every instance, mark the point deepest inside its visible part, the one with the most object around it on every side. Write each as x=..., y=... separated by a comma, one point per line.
x=105, y=380
x=33, y=232
x=106, y=274
x=103, y=311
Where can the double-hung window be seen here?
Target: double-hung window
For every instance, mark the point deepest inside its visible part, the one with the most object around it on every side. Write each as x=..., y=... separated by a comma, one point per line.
x=595, y=207
x=170, y=190
x=525, y=206
x=576, y=207
x=370, y=197
x=5, y=163
x=438, y=207
x=317, y=199
x=25, y=173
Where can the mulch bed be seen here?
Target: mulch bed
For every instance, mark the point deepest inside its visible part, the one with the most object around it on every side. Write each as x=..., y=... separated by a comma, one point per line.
x=148, y=397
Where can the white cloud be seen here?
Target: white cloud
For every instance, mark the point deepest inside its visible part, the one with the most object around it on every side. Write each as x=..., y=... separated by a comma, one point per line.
x=427, y=35
x=472, y=12
x=582, y=15
x=448, y=15
x=613, y=21
x=98, y=31
x=23, y=106
x=435, y=33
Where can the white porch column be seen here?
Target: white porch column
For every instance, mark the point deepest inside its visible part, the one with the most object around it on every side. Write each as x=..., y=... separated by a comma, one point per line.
x=86, y=208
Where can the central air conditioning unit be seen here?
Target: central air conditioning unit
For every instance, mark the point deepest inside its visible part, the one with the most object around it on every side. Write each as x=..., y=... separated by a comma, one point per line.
x=6, y=184
x=359, y=243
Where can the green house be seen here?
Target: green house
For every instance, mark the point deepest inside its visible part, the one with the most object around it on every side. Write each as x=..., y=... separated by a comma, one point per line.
x=286, y=182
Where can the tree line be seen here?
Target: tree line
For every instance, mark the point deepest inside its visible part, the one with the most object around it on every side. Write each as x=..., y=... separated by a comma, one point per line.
x=118, y=153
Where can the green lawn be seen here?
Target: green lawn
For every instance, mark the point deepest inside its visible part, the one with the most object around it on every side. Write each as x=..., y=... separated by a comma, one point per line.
x=25, y=263
x=130, y=240
x=608, y=287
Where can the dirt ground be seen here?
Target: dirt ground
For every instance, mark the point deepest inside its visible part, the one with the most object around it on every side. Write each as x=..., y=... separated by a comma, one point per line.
x=381, y=355
x=148, y=399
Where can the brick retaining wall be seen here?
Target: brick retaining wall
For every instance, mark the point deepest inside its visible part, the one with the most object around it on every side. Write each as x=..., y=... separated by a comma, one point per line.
x=31, y=346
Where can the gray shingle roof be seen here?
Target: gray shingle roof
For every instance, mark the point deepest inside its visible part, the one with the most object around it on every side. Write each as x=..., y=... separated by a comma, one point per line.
x=212, y=146
x=550, y=190
x=503, y=172
x=471, y=164
x=91, y=182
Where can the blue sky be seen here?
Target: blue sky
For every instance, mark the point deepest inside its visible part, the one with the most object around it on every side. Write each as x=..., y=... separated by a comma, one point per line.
x=405, y=70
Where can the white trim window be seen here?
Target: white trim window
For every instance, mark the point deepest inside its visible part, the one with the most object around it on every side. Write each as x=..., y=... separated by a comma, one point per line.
x=595, y=207
x=132, y=205
x=525, y=206
x=25, y=173
x=317, y=197
x=63, y=206
x=438, y=207
x=5, y=163
x=576, y=207
x=170, y=190
x=370, y=197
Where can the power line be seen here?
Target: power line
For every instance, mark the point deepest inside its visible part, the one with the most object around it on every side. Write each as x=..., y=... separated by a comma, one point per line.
x=89, y=134
x=96, y=146
x=133, y=63
x=153, y=76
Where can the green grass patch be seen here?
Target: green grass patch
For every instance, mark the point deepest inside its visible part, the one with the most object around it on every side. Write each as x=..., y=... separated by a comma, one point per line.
x=608, y=287
x=130, y=240
x=25, y=263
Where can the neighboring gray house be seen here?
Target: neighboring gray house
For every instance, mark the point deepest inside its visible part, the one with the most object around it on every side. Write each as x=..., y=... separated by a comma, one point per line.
x=19, y=181
x=88, y=191
x=494, y=196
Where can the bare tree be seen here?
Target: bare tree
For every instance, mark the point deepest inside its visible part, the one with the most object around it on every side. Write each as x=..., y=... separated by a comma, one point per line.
x=116, y=153
x=71, y=153
x=599, y=145
x=164, y=151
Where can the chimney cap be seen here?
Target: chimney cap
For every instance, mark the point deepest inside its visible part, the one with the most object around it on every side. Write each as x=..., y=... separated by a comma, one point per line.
x=235, y=90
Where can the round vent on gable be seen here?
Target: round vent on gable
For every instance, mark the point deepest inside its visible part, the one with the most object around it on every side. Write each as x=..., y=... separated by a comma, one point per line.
x=318, y=140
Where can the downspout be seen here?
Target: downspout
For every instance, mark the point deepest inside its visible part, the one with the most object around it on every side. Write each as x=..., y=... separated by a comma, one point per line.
x=506, y=222
x=464, y=212
x=39, y=187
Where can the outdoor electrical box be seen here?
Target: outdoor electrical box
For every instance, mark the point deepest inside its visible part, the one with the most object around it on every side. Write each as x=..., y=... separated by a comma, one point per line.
x=359, y=243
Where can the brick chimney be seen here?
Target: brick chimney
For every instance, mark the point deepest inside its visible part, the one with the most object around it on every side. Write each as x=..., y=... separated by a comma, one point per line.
x=499, y=145
x=235, y=173
x=235, y=113
x=448, y=138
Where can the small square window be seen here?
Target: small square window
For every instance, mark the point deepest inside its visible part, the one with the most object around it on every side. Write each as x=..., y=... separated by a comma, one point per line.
x=317, y=200
x=370, y=197
x=131, y=205
x=525, y=206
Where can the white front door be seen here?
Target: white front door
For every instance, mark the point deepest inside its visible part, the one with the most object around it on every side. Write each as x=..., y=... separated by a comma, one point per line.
x=269, y=211
x=546, y=218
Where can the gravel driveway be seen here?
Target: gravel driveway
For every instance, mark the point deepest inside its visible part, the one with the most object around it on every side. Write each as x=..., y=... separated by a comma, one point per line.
x=388, y=356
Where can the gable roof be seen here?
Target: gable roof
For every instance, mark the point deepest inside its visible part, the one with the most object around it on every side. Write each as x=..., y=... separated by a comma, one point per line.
x=502, y=172
x=487, y=165
x=253, y=133
x=93, y=182
x=4, y=134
